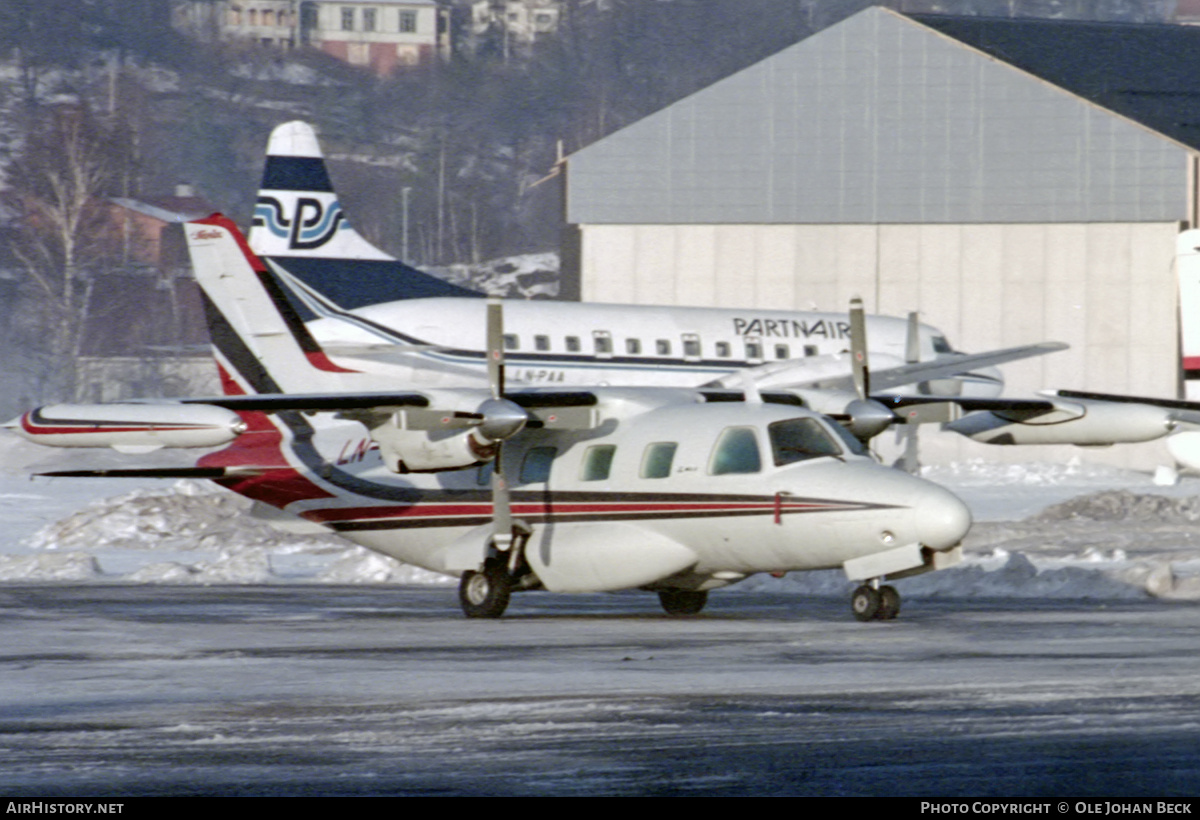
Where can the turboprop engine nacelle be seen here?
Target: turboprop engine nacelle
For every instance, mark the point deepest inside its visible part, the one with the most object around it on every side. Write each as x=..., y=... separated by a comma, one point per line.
x=427, y=441
x=131, y=428
x=431, y=451
x=1079, y=422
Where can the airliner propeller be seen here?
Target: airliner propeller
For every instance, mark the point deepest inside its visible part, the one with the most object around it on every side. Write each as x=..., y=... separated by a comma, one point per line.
x=865, y=417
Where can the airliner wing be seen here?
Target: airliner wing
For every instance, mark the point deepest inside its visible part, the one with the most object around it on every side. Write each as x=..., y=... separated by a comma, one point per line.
x=942, y=368
x=1185, y=412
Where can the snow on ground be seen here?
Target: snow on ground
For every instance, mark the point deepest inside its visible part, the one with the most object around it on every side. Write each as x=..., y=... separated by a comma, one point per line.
x=1042, y=530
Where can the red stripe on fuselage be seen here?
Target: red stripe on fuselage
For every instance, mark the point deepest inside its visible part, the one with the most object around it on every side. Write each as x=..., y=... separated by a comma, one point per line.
x=449, y=511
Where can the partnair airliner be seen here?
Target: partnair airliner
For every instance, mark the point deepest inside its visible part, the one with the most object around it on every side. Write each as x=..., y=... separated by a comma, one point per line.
x=362, y=303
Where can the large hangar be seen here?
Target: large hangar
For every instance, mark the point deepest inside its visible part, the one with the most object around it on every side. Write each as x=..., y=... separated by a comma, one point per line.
x=1015, y=180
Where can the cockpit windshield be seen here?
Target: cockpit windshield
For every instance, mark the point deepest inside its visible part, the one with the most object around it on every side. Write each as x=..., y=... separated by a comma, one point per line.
x=941, y=345
x=799, y=439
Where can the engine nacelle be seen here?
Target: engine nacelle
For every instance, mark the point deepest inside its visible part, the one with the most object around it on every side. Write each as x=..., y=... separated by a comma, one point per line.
x=1080, y=422
x=132, y=428
x=416, y=440
x=431, y=451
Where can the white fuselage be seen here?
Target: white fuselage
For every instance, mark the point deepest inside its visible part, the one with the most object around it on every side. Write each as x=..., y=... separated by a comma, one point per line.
x=632, y=527
x=569, y=343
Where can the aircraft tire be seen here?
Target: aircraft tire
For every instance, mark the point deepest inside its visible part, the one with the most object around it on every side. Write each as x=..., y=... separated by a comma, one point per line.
x=865, y=603
x=682, y=601
x=485, y=594
x=889, y=604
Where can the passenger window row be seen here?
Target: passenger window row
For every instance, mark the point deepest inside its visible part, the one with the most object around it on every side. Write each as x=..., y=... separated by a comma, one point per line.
x=602, y=345
x=736, y=452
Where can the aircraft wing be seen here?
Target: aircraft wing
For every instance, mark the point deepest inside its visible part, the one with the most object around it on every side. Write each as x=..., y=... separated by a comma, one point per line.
x=329, y=402
x=942, y=368
x=160, y=472
x=280, y=402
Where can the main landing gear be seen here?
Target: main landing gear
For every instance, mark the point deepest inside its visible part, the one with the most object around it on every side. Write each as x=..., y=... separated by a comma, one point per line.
x=682, y=601
x=875, y=603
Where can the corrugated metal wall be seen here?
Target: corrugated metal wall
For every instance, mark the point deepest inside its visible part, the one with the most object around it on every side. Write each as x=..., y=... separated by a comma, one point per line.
x=881, y=158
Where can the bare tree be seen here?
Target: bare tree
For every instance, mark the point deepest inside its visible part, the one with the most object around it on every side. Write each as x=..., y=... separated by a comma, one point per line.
x=55, y=192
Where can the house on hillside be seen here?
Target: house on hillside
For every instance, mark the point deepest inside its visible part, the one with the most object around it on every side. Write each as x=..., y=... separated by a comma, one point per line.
x=517, y=21
x=378, y=34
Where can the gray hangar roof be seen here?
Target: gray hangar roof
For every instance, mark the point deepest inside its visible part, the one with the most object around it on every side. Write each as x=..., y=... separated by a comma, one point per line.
x=887, y=118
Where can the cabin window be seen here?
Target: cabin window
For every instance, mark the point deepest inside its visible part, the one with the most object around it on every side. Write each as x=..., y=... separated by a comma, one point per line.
x=656, y=461
x=800, y=439
x=602, y=342
x=633, y=347
x=536, y=466
x=408, y=21
x=691, y=346
x=511, y=341
x=573, y=344
x=347, y=19
x=753, y=349
x=940, y=345
x=368, y=19
x=541, y=342
x=781, y=352
x=736, y=452
x=597, y=462
x=723, y=350
x=810, y=350
x=663, y=347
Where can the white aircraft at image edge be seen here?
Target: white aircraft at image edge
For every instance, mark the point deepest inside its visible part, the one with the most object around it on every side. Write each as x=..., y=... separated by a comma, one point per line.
x=676, y=490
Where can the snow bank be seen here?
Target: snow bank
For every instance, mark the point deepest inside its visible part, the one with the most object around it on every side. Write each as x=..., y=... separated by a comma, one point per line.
x=191, y=532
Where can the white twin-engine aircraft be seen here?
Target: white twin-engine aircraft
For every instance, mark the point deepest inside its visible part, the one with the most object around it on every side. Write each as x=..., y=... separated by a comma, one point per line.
x=675, y=490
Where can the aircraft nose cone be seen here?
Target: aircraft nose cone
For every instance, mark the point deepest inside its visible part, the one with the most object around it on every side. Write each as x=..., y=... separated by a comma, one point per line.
x=942, y=519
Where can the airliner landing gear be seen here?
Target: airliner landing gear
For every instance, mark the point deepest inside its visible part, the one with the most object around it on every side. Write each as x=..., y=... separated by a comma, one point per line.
x=682, y=601
x=875, y=604
x=485, y=594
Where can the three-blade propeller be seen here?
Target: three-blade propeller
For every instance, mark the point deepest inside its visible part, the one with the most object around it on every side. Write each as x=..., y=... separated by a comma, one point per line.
x=500, y=420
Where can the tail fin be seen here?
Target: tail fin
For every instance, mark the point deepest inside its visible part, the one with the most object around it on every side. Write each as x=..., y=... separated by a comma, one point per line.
x=261, y=343
x=300, y=226
x=1187, y=271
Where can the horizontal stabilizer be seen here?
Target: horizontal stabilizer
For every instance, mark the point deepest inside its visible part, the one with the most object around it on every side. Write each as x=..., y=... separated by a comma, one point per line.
x=161, y=214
